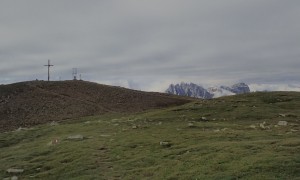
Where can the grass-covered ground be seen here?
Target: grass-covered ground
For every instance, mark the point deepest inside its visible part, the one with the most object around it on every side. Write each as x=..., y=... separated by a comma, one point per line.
x=235, y=137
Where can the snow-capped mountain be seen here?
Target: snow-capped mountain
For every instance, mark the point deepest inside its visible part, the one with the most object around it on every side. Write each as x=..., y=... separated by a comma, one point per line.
x=189, y=89
x=239, y=88
x=197, y=91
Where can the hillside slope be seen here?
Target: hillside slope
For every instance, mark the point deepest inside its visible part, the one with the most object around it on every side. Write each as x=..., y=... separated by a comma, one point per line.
x=29, y=103
x=249, y=136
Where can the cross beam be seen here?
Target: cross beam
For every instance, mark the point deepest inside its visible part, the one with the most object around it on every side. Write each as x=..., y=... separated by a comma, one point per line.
x=49, y=65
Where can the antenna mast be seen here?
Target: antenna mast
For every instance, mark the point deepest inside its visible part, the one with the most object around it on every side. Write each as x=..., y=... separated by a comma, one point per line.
x=74, y=73
x=49, y=65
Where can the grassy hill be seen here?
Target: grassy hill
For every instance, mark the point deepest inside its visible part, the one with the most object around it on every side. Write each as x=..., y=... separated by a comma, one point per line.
x=236, y=137
x=36, y=102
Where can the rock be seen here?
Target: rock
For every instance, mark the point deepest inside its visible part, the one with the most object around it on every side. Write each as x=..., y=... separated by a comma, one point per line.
x=191, y=125
x=13, y=170
x=21, y=129
x=14, y=178
x=282, y=123
x=282, y=115
x=134, y=127
x=105, y=135
x=252, y=126
x=87, y=122
x=225, y=129
x=165, y=144
x=217, y=130
x=53, y=123
x=204, y=118
x=75, y=137
x=262, y=125
x=11, y=178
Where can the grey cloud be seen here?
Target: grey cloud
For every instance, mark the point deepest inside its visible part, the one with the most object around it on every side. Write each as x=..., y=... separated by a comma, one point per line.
x=145, y=42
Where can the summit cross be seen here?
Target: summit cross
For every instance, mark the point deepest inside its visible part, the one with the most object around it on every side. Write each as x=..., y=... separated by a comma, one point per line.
x=49, y=65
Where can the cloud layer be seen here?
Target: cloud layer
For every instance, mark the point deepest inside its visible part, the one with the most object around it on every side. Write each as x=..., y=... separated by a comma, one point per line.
x=150, y=44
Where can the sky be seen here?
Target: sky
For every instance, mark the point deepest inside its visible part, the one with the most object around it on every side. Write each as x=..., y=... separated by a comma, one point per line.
x=147, y=45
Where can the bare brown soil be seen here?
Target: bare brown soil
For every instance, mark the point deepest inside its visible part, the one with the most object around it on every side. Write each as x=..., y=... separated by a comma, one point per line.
x=36, y=102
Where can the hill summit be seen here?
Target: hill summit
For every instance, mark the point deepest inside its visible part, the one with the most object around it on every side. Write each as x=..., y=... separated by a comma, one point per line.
x=35, y=102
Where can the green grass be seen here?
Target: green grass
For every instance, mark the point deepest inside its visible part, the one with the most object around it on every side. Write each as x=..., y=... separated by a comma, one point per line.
x=116, y=146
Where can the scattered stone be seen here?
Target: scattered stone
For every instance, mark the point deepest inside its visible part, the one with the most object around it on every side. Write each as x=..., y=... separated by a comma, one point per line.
x=225, y=129
x=76, y=137
x=21, y=129
x=282, y=115
x=134, y=127
x=294, y=130
x=217, y=130
x=14, y=178
x=11, y=178
x=204, y=118
x=282, y=123
x=262, y=125
x=87, y=122
x=53, y=123
x=159, y=123
x=165, y=144
x=114, y=120
x=13, y=170
x=252, y=126
x=105, y=135
x=191, y=125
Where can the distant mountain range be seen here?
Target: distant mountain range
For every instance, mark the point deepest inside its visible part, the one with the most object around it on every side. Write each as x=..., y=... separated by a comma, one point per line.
x=197, y=91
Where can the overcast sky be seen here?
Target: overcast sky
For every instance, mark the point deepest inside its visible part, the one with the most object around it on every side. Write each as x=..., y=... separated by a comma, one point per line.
x=148, y=44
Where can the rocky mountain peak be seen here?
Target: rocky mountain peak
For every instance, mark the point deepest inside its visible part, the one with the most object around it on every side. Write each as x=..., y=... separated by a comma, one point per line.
x=197, y=91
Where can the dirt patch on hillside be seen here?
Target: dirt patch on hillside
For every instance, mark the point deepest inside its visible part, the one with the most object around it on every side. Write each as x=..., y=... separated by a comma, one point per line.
x=30, y=103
